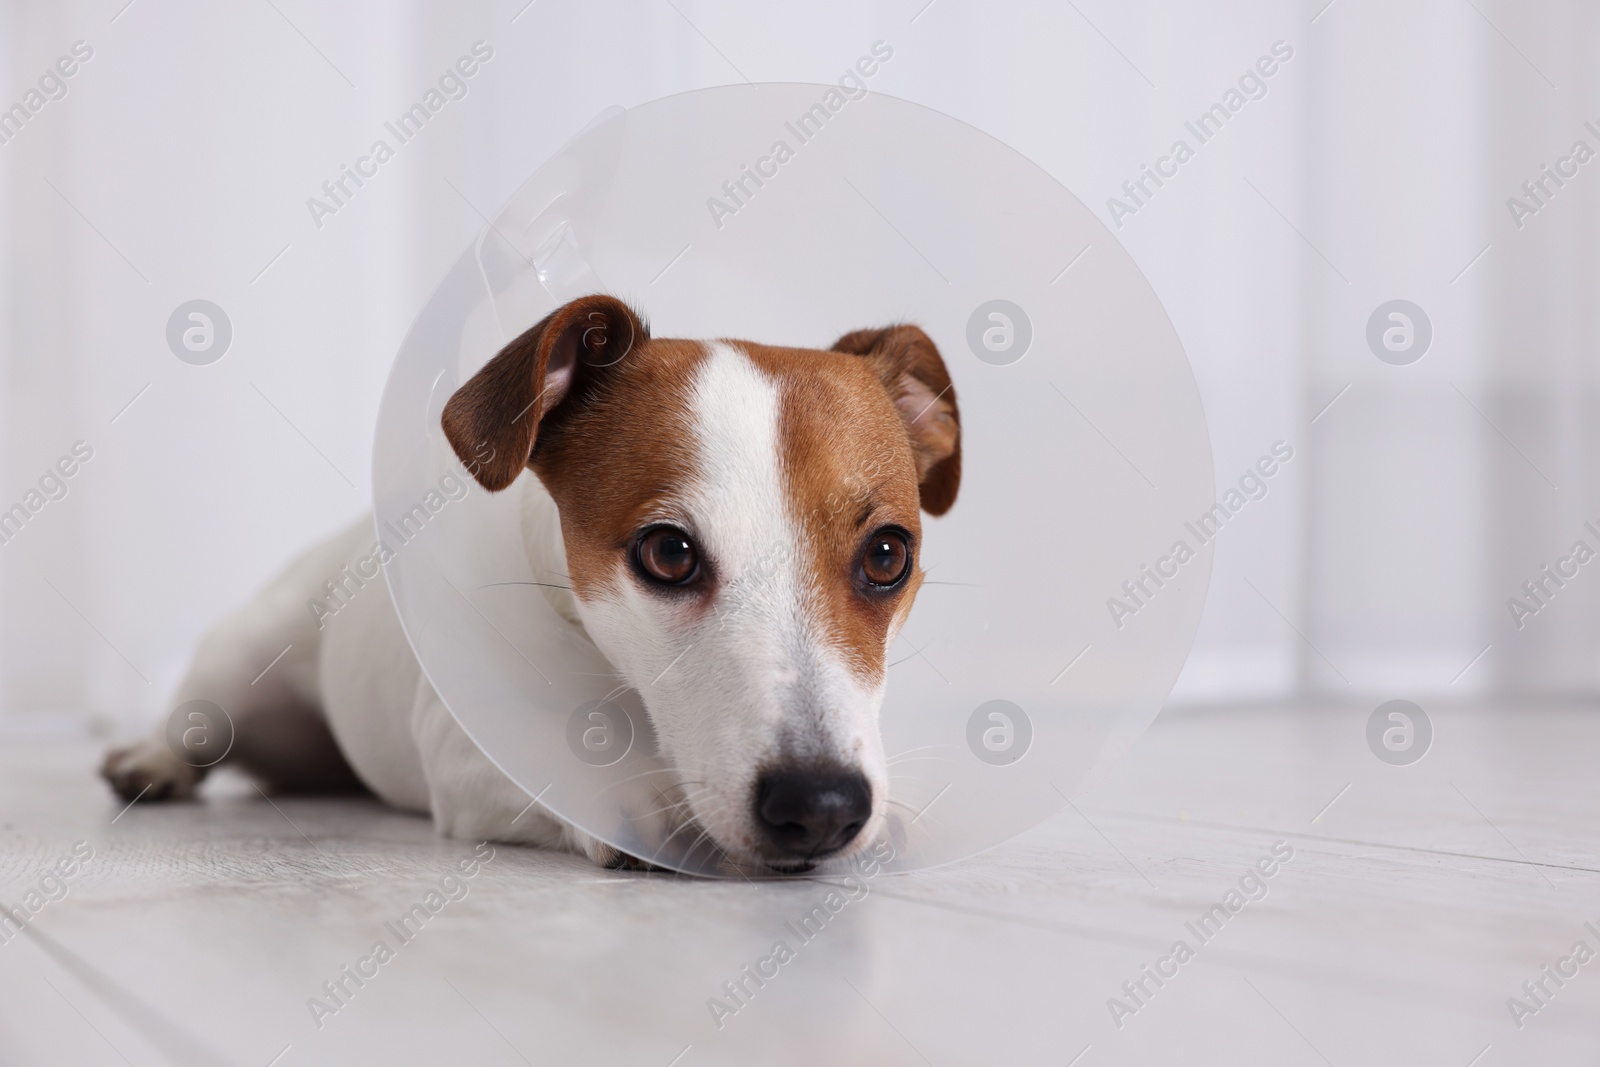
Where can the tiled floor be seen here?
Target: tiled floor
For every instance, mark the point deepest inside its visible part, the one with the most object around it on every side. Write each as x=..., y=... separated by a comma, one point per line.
x=1411, y=909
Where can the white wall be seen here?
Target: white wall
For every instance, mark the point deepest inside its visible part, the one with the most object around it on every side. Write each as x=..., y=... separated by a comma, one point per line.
x=1376, y=166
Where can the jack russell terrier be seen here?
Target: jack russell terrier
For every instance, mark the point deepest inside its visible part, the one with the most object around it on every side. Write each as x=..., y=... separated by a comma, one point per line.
x=758, y=505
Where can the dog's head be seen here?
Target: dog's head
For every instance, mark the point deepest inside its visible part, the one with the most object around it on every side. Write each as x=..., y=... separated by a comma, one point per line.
x=741, y=525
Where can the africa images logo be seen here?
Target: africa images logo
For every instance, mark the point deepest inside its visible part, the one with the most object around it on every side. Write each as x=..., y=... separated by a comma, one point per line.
x=739, y=190
x=338, y=191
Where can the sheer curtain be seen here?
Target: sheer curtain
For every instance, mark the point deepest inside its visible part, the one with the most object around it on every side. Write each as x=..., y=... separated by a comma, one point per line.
x=1374, y=163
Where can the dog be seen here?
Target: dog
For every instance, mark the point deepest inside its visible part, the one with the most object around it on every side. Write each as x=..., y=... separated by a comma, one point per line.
x=746, y=514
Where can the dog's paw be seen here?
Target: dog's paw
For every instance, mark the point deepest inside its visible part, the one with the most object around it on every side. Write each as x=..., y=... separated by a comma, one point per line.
x=621, y=861
x=148, y=770
x=612, y=859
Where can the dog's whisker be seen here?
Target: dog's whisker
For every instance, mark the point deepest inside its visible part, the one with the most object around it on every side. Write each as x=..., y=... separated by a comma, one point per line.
x=690, y=821
x=907, y=751
x=647, y=773
x=636, y=777
x=916, y=815
x=544, y=585
x=684, y=804
x=683, y=797
x=669, y=807
x=705, y=836
x=912, y=759
x=668, y=839
x=705, y=832
x=691, y=796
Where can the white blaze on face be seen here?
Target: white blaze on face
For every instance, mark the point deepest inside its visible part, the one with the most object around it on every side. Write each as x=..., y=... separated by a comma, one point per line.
x=750, y=682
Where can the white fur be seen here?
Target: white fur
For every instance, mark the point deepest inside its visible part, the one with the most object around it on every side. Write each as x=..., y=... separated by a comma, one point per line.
x=358, y=671
x=728, y=689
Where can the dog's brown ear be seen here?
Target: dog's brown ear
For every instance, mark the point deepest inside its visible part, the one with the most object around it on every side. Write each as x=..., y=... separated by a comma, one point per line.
x=909, y=366
x=493, y=420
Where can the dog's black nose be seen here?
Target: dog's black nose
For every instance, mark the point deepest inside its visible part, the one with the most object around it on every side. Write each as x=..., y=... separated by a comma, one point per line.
x=810, y=813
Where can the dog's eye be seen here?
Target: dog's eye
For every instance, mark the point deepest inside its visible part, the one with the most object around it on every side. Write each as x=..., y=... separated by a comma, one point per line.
x=886, y=559
x=666, y=554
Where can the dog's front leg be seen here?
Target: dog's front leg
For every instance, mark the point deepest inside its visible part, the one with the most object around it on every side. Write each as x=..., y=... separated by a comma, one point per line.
x=472, y=800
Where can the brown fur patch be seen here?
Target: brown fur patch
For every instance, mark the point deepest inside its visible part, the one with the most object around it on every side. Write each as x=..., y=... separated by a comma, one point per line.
x=493, y=420
x=613, y=457
x=907, y=362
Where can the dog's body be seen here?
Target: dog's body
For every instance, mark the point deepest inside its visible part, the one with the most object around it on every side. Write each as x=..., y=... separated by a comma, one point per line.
x=738, y=524
x=347, y=695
